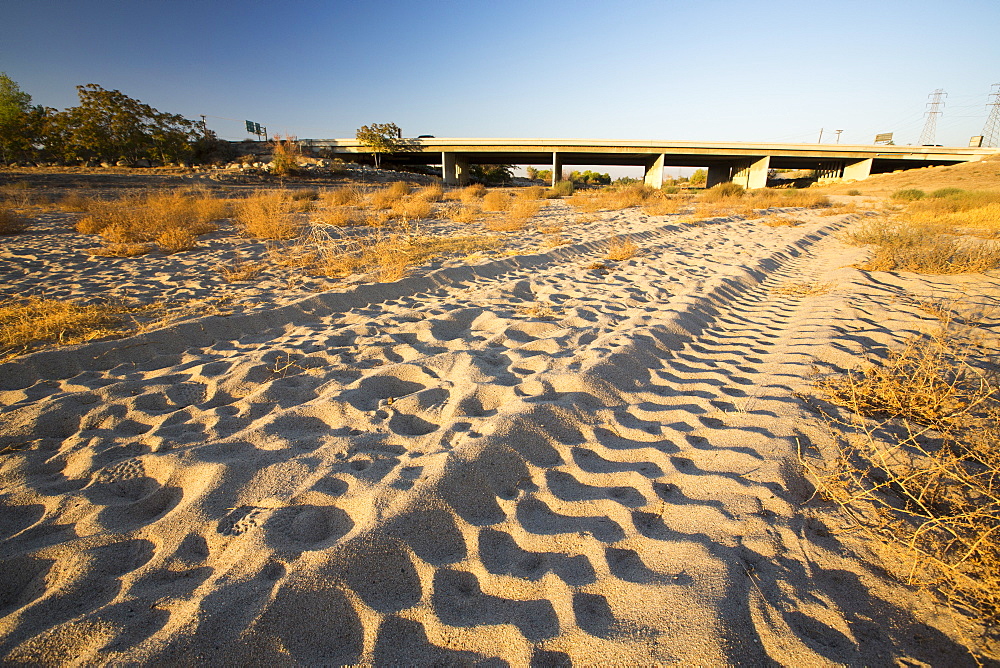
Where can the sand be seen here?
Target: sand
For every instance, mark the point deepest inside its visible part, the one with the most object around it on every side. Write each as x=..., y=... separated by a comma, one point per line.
x=513, y=460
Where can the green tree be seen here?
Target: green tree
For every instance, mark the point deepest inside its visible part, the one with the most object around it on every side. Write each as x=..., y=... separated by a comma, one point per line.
x=380, y=138
x=20, y=122
x=699, y=176
x=109, y=125
x=492, y=175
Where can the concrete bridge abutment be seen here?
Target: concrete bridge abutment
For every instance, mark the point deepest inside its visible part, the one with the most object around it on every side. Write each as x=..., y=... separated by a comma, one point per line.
x=557, y=168
x=752, y=173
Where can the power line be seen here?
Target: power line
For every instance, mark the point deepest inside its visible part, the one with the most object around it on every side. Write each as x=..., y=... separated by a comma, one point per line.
x=991, y=131
x=930, y=126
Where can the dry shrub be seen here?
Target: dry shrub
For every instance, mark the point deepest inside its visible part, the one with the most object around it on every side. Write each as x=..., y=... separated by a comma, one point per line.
x=523, y=209
x=589, y=203
x=780, y=221
x=341, y=196
x=239, y=271
x=387, y=258
x=531, y=192
x=902, y=246
x=978, y=212
x=266, y=215
x=496, y=200
x=550, y=229
x=466, y=214
x=74, y=202
x=505, y=224
x=922, y=474
x=144, y=217
x=176, y=239
x=385, y=198
x=621, y=249
x=412, y=209
x=554, y=241
x=431, y=193
x=468, y=195
x=11, y=223
x=305, y=194
x=17, y=194
x=26, y=323
x=802, y=289
x=722, y=192
x=343, y=216
x=399, y=188
x=663, y=206
x=123, y=249
x=724, y=208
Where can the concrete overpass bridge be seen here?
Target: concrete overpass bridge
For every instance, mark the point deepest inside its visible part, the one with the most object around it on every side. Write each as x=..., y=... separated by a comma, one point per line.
x=744, y=163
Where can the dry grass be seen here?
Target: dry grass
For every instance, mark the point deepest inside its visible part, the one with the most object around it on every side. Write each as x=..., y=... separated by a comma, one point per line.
x=412, y=209
x=466, y=214
x=468, y=195
x=922, y=474
x=506, y=224
x=386, y=258
x=554, y=241
x=239, y=271
x=17, y=194
x=539, y=311
x=613, y=199
x=730, y=199
x=74, y=202
x=11, y=222
x=342, y=216
x=431, y=193
x=531, y=192
x=780, y=221
x=267, y=215
x=174, y=220
x=523, y=209
x=802, y=289
x=621, y=249
x=904, y=246
x=664, y=206
x=496, y=200
x=26, y=324
x=341, y=196
x=176, y=239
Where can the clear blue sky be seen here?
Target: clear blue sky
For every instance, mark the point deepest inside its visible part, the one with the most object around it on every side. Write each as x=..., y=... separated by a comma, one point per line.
x=708, y=70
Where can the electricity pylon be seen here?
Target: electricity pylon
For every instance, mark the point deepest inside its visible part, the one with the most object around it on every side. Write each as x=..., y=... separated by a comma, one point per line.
x=991, y=131
x=930, y=126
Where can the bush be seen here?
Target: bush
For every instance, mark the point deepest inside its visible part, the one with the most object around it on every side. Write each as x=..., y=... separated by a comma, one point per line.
x=496, y=200
x=946, y=192
x=265, y=215
x=921, y=470
x=907, y=247
x=908, y=194
x=11, y=223
x=854, y=191
x=560, y=189
x=723, y=191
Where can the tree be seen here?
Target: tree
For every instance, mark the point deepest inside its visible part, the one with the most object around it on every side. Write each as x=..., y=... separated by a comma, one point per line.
x=492, y=175
x=109, y=125
x=699, y=176
x=20, y=122
x=380, y=138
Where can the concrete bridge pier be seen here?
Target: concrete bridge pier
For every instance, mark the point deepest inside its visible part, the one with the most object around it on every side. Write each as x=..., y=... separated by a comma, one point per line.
x=752, y=173
x=557, y=167
x=454, y=169
x=654, y=172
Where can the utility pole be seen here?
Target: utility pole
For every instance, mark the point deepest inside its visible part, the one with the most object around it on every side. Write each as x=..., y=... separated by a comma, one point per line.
x=930, y=126
x=991, y=131
x=820, y=136
x=204, y=126
x=838, y=135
